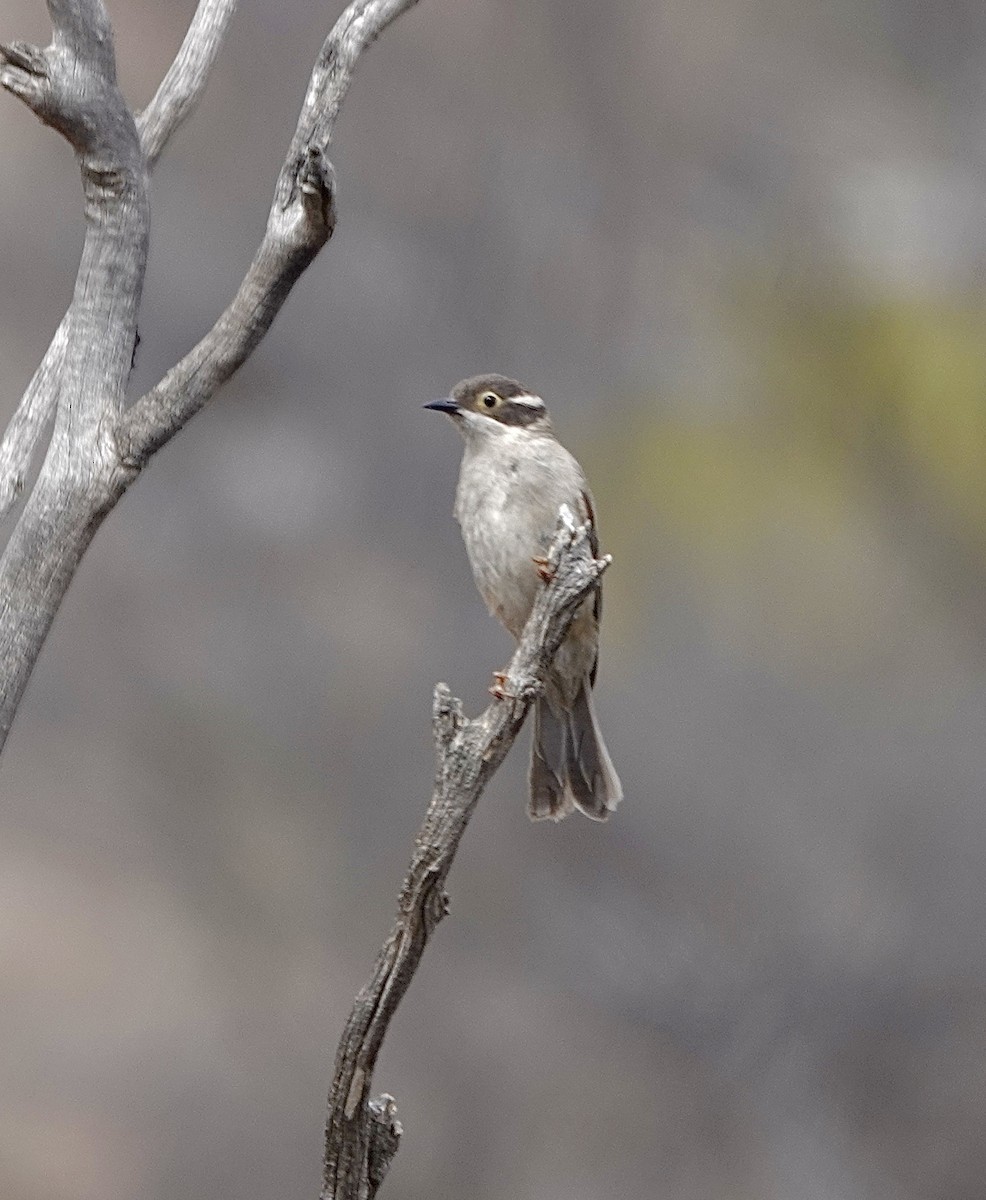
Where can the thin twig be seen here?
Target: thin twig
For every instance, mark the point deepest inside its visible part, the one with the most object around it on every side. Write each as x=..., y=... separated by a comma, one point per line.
x=361, y=1135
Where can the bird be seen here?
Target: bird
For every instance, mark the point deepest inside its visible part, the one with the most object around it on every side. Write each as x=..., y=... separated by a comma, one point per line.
x=514, y=478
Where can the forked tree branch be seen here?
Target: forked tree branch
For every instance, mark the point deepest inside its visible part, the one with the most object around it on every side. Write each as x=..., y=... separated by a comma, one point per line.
x=361, y=1135
x=179, y=93
x=97, y=446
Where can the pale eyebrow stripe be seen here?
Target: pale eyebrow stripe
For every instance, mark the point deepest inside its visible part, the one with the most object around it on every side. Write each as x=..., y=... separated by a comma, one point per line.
x=528, y=401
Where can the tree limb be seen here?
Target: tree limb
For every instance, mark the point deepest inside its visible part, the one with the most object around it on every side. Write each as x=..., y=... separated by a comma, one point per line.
x=300, y=222
x=183, y=85
x=294, y=236
x=361, y=1135
x=359, y=26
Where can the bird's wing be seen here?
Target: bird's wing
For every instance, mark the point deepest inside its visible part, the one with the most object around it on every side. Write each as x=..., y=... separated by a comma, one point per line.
x=597, y=607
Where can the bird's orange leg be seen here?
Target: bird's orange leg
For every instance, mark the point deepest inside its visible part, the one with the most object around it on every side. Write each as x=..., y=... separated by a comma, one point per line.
x=545, y=573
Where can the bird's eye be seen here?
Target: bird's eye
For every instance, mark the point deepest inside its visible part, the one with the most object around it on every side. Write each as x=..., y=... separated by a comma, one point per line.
x=490, y=399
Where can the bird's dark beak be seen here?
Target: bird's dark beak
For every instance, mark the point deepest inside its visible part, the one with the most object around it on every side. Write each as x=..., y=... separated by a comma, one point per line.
x=448, y=405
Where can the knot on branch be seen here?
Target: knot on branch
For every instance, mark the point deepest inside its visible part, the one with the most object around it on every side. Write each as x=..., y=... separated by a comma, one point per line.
x=571, y=572
x=385, y=1135
x=316, y=182
x=303, y=214
x=447, y=717
x=434, y=901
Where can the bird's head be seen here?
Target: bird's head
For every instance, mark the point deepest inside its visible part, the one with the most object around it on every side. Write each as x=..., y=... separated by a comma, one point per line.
x=489, y=405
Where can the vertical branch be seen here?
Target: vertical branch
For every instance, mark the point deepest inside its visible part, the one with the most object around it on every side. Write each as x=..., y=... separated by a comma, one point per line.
x=71, y=86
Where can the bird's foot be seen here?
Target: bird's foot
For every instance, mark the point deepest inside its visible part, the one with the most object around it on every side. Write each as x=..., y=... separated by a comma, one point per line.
x=545, y=570
x=499, y=688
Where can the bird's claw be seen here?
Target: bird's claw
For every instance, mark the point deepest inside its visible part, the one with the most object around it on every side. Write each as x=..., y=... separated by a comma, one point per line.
x=499, y=688
x=545, y=570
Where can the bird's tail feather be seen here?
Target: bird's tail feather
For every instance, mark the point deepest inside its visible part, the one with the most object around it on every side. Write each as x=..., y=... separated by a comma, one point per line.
x=551, y=797
x=570, y=766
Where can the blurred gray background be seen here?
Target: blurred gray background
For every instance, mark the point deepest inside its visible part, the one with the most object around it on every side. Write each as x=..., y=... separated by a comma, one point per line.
x=738, y=246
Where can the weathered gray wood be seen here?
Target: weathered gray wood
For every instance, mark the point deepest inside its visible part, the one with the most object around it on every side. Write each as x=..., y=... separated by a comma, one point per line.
x=361, y=1136
x=97, y=447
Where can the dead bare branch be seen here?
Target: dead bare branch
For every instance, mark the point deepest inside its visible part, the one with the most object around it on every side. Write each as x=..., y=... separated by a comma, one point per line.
x=361, y=1135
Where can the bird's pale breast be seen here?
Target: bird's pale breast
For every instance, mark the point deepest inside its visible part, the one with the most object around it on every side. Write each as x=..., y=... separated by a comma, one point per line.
x=507, y=504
